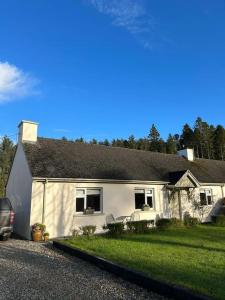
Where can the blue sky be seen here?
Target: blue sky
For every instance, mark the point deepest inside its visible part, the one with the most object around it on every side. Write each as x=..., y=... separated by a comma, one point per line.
x=109, y=68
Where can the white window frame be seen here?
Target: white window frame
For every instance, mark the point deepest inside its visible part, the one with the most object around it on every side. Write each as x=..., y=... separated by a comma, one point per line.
x=205, y=191
x=85, y=199
x=146, y=195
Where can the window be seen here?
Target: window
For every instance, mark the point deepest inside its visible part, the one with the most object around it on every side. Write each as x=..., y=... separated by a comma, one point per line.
x=143, y=196
x=139, y=199
x=80, y=199
x=88, y=199
x=205, y=197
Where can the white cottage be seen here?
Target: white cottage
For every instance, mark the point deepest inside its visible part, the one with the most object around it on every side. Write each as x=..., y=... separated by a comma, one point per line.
x=59, y=183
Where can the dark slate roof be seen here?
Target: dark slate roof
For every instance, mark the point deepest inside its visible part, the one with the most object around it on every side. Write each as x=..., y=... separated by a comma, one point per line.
x=51, y=158
x=174, y=177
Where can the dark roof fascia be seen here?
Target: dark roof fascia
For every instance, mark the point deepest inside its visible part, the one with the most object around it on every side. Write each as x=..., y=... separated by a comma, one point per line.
x=86, y=180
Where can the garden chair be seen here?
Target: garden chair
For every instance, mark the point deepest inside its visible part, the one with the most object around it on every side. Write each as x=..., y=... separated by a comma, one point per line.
x=135, y=217
x=110, y=219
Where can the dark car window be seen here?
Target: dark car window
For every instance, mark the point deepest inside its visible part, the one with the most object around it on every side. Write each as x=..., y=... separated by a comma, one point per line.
x=5, y=204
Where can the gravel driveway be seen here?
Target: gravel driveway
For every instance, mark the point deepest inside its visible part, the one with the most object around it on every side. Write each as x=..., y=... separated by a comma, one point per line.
x=30, y=270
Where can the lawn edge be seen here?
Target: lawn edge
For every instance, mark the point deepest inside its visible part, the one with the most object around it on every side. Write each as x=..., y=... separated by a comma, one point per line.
x=139, y=278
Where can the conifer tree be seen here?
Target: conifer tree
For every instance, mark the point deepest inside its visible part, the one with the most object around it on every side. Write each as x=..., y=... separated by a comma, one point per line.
x=132, y=142
x=219, y=142
x=171, y=147
x=187, y=137
x=6, y=157
x=154, y=139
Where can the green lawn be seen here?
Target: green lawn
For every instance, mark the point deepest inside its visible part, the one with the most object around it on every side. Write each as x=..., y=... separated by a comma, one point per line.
x=193, y=258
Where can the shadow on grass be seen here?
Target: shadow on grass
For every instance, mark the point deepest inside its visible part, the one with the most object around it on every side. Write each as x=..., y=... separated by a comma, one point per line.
x=170, y=243
x=201, y=237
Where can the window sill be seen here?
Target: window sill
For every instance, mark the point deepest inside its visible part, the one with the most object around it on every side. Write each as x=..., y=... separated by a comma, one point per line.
x=150, y=210
x=89, y=215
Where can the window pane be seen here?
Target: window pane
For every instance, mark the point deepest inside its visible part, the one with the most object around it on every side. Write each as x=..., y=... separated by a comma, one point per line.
x=208, y=192
x=93, y=201
x=150, y=201
x=209, y=198
x=203, y=199
x=79, y=204
x=139, y=200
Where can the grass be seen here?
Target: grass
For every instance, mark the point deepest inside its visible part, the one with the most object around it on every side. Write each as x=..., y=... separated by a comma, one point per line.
x=190, y=257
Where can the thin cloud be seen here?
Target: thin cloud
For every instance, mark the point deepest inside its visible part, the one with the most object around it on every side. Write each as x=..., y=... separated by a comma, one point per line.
x=15, y=83
x=129, y=14
x=62, y=130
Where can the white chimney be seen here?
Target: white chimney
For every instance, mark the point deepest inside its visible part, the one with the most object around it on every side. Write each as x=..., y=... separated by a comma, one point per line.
x=187, y=153
x=27, y=132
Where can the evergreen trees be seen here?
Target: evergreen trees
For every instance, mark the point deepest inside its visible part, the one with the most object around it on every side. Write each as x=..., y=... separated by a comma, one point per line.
x=156, y=143
x=219, y=142
x=6, y=157
x=171, y=145
x=206, y=140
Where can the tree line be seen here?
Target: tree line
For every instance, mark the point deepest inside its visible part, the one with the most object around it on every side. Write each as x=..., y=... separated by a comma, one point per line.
x=208, y=141
x=7, y=150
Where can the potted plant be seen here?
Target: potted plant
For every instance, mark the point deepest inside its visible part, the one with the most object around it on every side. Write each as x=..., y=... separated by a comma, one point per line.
x=145, y=207
x=46, y=236
x=38, y=230
x=89, y=211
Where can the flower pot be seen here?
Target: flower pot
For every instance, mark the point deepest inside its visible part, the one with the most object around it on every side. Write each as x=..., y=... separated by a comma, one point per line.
x=89, y=211
x=146, y=208
x=46, y=238
x=37, y=235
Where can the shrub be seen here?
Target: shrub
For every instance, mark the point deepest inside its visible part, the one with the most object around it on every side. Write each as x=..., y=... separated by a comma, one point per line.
x=219, y=220
x=115, y=228
x=176, y=222
x=88, y=229
x=163, y=223
x=169, y=223
x=138, y=226
x=75, y=232
x=190, y=221
x=39, y=226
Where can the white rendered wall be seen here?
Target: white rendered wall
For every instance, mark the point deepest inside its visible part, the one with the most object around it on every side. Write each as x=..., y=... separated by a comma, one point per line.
x=60, y=216
x=188, y=153
x=28, y=132
x=18, y=190
x=118, y=199
x=187, y=205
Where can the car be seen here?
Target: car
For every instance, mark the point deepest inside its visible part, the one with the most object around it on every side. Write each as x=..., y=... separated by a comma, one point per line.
x=6, y=218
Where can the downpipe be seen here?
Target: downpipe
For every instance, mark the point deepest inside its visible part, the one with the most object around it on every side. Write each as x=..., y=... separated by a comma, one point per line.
x=44, y=200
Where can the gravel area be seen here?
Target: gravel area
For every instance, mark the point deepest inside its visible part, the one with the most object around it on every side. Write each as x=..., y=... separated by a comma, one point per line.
x=30, y=270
